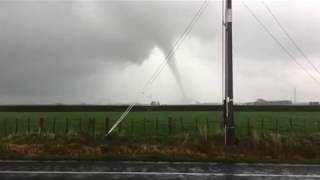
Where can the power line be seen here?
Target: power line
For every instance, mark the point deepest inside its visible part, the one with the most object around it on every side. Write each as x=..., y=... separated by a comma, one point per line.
x=280, y=44
x=179, y=42
x=290, y=37
x=168, y=57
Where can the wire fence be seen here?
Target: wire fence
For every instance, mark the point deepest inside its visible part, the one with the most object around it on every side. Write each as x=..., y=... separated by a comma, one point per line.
x=158, y=127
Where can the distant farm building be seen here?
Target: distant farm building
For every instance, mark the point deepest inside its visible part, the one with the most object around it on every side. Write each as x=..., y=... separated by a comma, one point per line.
x=271, y=103
x=314, y=103
x=155, y=103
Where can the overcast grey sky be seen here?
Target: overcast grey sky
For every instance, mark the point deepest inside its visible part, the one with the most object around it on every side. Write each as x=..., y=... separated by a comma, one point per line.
x=89, y=51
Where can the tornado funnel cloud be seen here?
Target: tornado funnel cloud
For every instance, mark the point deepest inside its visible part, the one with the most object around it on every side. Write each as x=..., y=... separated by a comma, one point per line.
x=172, y=63
x=174, y=69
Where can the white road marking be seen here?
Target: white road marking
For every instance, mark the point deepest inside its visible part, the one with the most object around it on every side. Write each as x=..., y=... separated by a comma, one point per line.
x=277, y=165
x=157, y=174
x=163, y=162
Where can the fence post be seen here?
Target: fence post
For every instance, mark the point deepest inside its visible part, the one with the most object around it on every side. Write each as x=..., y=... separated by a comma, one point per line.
x=197, y=125
x=157, y=126
x=80, y=125
x=107, y=124
x=28, y=124
x=305, y=125
x=132, y=127
x=54, y=126
x=262, y=126
x=182, y=125
x=67, y=126
x=88, y=126
x=5, y=127
x=17, y=125
x=207, y=125
x=277, y=126
x=249, y=127
x=144, y=126
x=170, y=125
x=94, y=127
x=291, y=125
x=41, y=126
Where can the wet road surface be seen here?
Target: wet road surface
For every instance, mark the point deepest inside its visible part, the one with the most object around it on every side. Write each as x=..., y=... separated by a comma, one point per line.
x=84, y=170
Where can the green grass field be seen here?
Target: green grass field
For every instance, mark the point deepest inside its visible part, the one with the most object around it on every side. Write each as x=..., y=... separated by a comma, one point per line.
x=157, y=123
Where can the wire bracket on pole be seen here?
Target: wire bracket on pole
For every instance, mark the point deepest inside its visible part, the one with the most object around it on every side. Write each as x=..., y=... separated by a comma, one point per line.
x=229, y=15
x=231, y=127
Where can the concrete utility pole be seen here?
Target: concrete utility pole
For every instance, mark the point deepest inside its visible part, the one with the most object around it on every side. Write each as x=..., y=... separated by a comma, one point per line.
x=228, y=100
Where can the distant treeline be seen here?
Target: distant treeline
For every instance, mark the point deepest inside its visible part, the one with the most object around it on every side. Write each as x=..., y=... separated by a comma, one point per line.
x=120, y=108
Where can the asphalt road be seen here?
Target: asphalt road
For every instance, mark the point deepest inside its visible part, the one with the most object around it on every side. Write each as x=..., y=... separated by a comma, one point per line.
x=75, y=170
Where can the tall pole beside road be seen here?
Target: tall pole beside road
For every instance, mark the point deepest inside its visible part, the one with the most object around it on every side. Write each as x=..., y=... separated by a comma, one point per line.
x=229, y=127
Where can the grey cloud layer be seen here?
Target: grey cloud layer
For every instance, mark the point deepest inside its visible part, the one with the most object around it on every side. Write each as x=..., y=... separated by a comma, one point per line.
x=46, y=48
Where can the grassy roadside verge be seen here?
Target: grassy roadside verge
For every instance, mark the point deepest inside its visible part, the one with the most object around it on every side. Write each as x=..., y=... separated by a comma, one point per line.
x=189, y=147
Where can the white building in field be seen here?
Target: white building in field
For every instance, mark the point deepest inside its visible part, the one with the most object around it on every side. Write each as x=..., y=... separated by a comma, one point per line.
x=265, y=102
x=155, y=103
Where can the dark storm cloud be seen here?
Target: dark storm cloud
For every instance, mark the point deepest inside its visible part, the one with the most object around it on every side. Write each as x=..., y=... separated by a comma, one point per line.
x=125, y=31
x=48, y=47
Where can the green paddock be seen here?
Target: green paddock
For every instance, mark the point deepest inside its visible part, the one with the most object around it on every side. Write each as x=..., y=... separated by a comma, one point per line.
x=157, y=123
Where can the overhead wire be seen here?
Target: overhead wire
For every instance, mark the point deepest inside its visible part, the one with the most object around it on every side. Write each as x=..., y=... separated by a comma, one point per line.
x=167, y=58
x=278, y=42
x=290, y=37
x=179, y=41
